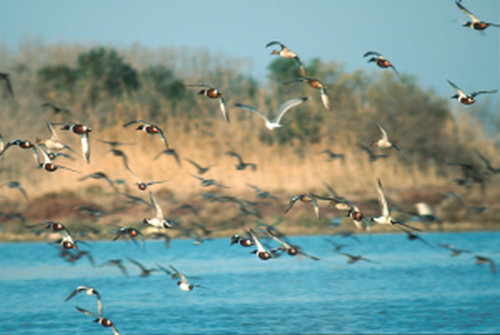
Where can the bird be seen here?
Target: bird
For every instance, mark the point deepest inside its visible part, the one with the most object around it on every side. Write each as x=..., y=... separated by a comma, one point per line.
x=83, y=131
x=331, y=155
x=100, y=175
x=475, y=23
x=67, y=241
x=412, y=236
x=170, y=152
x=483, y=260
x=244, y=241
x=158, y=221
x=201, y=169
x=241, y=164
x=352, y=210
x=89, y=291
x=23, y=144
x=262, y=194
x=381, y=61
x=183, y=283
x=144, y=271
x=314, y=83
x=53, y=143
x=354, y=258
x=131, y=232
x=287, y=53
x=372, y=157
x=148, y=128
x=49, y=166
x=275, y=122
x=487, y=164
x=208, y=182
x=118, y=263
x=467, y=99
x=384, y=142
x=100, y=320
x=454, y=251
x=292, y=250
x=56, y=109
x=385, y=218
x=5, y=77
x=261, y=252
x=303, y=198
x=141, y=185
x=114, y=144
x=16, y=184
x=213, y=93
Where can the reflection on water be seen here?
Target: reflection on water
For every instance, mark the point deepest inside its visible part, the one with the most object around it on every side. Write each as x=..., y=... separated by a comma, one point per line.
x=415, y=288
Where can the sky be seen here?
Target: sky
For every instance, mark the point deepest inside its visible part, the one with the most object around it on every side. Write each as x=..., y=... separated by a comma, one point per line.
x=422, y=38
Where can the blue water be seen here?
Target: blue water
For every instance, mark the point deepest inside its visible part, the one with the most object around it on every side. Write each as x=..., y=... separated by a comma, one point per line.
x=414, y=288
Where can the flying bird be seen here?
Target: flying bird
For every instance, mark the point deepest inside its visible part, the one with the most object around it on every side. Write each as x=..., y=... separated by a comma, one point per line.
x=467, y=99
x=380, y=60
x=287, y=53
x=275, y=122
x=131, y=232
x=474, y=22
x=100, y=320
x=83, y=131
x=261, y=252
x=314, y=83
x=241, y=164
x=213, y=93
x=16, y=184
x=159, y=220
x=144, y=271
x=23, y=144
x=89, y=291
x=67, y=241
x=56, y=109
x=201, y=169
x=372, y=157
x=149, y=129
x=303, y=198
x=485, y=260
x=385, y=143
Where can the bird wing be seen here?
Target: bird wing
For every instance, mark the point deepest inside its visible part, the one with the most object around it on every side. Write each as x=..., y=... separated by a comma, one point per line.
x=139, y=265
x=84, y=311
x=286, y=106
x=253, y=109
x=9, y=86
x=370, y=53
x=159, y=212
x=315, y=206
x=382, y=200
x=223, y=109
x=324, y=98
x=85, y=146
x=282, y=46
x=133, y=122
x=291, y=203
x=457, y=88
x=234, y=154
x=467, y=12
x=384, y=133
x=473, y=94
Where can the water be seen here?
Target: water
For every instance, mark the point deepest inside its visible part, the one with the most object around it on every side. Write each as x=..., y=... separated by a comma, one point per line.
x=414, y=288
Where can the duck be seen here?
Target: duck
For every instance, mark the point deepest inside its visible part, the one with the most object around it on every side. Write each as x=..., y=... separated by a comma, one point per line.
x=372, y=157
x=412, y=236
x=131, y=232
x=291, y=250
x=332, y=155
x=53, y=143
x=454, y=251
x=56, y=109
x=89, y=291
x=385, y=143
x=158, y=221
x=213, y=93
x=262, y=194
x=246, y=241
x=118, y=263
x=467, y=99
x=287, y=53
x=385, y=218
x=5, y=77
x=83, y=131
x=381, y=61
x=49, y=166
x=144, y=271
x=100, y=175
x=141, y=185
x=303, y=198
x=183, y=283
x=170, y=152
x=352, y=210
x=100, y=320
x=317, y=84
x=261, y=252
x=275, y=122
x=241, y=164
x=208, y=182
x=18, y=185
x=23, y=144
x=355, y=258
x=148, y=128
x=201, y=169
x=480, y=260
x=474, y=23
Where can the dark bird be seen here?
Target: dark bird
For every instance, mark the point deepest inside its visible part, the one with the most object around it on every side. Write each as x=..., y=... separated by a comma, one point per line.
x=372, y=157
x=4, y=76
x=485, y=260
x=201, y=169
x=474, y=22
x=100, y=320
x=89, y=291
x=331, y=155
x=170, y=152
x=487, y=164
x=412, y=236
x=353, y=259
x=56, y=109
x=285, y=246
x=213, y=93
x=208, y=182
x=16, y=184
x=314, y=83
x=454, y=251
x=467, y=99
x=144, y=271
x=142, y=185
x=380, y=60
x=287, y=53
x=262, y=194
x=99, y=175
x=241, y=164
x=149, y=129
x=118, y=263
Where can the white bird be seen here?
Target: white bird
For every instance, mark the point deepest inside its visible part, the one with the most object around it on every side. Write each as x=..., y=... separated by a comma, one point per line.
x=275, y=122
x=89, y=291
x=385, y=143
x=158, y=221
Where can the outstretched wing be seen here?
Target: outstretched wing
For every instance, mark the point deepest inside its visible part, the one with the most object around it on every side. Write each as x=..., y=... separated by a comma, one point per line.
x=384, y=133
x=467, y=12
x=159, y=212
x=382, y=200
x=287, y=106
x=282, y=46
x=252, y=109
x=223, y=109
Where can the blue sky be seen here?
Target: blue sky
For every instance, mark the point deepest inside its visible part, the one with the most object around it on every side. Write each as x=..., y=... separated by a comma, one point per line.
x=422, y=38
